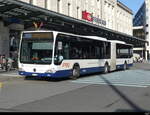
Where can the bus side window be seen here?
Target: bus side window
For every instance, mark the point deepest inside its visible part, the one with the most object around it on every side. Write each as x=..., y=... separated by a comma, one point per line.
x=75, y=48
x=75, y=54
x=124, y=51
x=108, y=51
x=66, y=50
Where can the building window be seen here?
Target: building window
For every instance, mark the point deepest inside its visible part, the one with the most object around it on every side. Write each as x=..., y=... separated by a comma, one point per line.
x=31, y=1
x=69, y=9
x=27, y=1
x=86, y=4
x=78, y=12
x=147, y=17
x=93, y=3
x=146, y=25
x=147, y=9
x=40, y=3
x=58, y=5
x=147, y=33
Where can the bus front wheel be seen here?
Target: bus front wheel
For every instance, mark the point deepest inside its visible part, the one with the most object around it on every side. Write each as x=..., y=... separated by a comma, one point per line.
x=75, y=72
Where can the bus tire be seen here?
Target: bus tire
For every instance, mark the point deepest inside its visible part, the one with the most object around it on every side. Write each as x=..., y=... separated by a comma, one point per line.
x=28, y=77
x=106, y=68
x=125, y=67
x=75, y=73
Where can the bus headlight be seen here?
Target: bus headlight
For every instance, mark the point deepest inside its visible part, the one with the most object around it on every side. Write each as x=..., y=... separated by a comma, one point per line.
x=21, y=69
x=53, y=70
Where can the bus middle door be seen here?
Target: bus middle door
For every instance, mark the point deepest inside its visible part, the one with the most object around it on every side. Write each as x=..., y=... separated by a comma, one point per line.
x=113, y=57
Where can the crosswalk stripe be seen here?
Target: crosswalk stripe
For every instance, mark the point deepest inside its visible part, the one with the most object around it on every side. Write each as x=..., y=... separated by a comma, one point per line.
x=119, y=84
x=132, y=78
x=13, y=75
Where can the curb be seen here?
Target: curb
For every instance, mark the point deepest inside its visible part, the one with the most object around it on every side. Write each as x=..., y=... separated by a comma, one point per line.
x=7, y=76
x=4, y=79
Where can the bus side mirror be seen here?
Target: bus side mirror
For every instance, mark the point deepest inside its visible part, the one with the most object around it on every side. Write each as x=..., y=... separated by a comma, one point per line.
x=60, y=59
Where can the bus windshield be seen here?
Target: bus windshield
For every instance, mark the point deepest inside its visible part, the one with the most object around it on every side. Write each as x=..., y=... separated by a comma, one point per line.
x=36, y=48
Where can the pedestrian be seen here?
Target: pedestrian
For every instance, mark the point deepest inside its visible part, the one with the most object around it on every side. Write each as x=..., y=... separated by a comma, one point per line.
x=0, y=61
x=4, y=62
x=10, y=62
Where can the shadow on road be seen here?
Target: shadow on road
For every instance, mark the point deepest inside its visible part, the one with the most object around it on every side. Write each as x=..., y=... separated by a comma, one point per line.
x=135, y=108
x=45, y=79
x=1, y=71
x=58, y=79
x=63, y=79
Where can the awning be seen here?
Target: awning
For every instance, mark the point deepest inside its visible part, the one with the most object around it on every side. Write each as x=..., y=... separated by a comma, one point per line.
x=15, y=11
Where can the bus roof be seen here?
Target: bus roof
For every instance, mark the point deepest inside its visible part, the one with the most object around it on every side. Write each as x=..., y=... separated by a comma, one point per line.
x=96, y=38
x=90, y=37
x=117, y=41
x=120, y=42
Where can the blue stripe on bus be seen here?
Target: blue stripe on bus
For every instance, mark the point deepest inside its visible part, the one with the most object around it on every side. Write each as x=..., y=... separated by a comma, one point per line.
x=67, y=73
x=64, y=73
x=122, y=66
x=58, y=74
x=91, y=70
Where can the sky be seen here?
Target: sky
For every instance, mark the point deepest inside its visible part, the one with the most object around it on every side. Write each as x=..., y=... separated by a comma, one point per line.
x=134, y=5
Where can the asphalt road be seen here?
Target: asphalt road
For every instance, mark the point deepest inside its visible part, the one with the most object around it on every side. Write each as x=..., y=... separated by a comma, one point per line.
x=121, y=91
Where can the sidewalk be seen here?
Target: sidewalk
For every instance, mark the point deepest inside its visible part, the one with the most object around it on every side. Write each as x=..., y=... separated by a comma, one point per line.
x=13, y=74
x=9, y=75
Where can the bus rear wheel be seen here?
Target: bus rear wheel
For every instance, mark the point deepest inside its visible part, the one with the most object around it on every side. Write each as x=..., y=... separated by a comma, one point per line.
x=75, y=73
x=106, y=68
x=125, y=67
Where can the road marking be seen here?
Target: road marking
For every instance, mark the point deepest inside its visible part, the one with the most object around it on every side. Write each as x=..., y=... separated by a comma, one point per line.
x=98, y=83
x=129, y=78
x=13, y=75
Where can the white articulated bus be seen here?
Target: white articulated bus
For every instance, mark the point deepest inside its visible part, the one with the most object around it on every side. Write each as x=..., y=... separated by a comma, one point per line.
x=57, y=54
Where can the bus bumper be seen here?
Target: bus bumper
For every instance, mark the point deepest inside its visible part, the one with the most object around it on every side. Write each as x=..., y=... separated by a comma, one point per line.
x=58, y=74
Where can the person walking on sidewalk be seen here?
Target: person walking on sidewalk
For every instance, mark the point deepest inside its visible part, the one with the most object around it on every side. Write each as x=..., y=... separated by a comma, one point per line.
x=1, y=61
x=4, y=61
x=9, y=63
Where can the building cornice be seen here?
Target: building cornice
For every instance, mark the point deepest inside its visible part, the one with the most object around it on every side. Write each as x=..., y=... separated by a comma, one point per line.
x=138, y=27
x=124, y=7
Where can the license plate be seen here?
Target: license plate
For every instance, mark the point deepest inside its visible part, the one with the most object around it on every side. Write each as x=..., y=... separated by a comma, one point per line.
x=34, y=74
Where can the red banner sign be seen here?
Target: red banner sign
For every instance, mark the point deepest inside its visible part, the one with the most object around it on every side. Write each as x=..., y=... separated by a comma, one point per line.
x=87, y=16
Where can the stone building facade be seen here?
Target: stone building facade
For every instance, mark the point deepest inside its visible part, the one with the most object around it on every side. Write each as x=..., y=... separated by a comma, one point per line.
x=116, y=15
x=141, y=24
x=111, y=14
